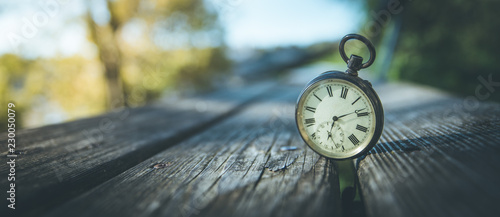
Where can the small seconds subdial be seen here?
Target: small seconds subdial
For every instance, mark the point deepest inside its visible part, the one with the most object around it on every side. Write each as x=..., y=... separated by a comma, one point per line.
x=337, y=136
x=336, y=118
x=329, y=136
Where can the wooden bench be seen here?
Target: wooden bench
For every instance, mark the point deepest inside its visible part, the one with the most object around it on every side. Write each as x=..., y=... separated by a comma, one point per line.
x=237, y=153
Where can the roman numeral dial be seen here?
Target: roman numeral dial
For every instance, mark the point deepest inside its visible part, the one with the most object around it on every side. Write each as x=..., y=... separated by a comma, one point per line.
x=361, y=128
x=361, y=114
x=355, y=100
x=354, y=139
x=329, y=90
x=343, y=93
x=310, y=122
x=335, y=116
x=311, y=109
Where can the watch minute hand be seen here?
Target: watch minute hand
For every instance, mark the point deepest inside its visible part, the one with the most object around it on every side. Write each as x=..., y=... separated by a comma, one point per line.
x=359, y=110
x=350, y=113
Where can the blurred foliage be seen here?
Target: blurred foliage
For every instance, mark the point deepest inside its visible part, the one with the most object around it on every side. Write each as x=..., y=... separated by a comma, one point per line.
x=144, y=48
x=46, y=88
x=446, y=44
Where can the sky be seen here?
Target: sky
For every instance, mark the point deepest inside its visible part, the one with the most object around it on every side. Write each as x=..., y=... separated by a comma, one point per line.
x=268, y=23
x=43, y=28
x=48, y=28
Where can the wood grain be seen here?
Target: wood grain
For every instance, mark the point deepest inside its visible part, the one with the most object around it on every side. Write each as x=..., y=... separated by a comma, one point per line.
x=253, y=164
x=435, y=157
x=219, y=156
x=58, y=162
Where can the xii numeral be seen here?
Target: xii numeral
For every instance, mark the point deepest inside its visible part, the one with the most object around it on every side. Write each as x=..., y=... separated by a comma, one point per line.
x=310, y=122
x=343, y=93
x=353, y=139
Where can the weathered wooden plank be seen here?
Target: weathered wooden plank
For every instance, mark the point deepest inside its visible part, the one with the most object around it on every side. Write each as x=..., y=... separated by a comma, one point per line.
x=58, y=162
x=435, y=157
x=252, y=164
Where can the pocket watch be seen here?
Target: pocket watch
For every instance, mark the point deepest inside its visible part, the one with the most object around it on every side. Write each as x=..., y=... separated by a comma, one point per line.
x=338, y=114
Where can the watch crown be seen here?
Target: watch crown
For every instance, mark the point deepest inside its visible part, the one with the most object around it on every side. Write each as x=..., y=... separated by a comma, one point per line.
x=354, y=64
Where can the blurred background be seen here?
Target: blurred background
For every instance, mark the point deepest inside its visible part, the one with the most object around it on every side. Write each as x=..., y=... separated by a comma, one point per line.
x=62, y=60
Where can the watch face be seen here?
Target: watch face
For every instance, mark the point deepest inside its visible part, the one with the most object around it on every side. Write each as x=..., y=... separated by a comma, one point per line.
x=336, y=118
